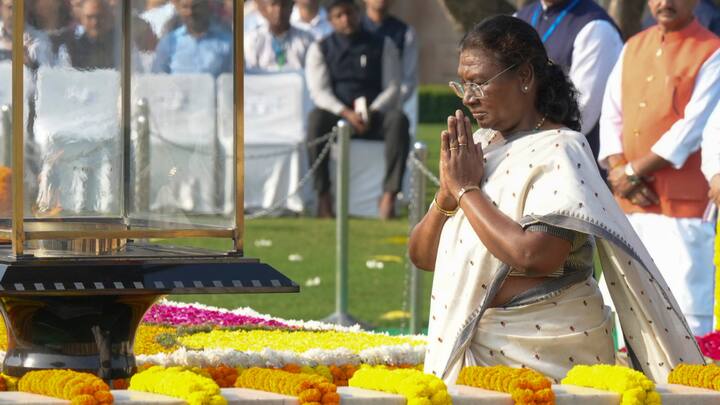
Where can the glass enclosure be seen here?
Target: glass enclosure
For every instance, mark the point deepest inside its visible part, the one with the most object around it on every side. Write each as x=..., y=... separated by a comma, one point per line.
x=129, y=121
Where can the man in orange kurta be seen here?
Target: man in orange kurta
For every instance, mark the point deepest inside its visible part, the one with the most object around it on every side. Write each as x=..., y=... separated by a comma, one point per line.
x=656, y=104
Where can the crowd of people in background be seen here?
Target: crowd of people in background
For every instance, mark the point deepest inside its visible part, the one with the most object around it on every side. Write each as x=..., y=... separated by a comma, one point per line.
x=168, y=36
x=360, y=65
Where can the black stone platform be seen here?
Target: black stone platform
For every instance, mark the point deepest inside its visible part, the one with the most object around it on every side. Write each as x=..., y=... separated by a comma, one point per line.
x=81, y=312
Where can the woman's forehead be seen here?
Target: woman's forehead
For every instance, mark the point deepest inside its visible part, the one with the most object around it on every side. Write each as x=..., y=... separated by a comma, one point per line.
x=476, y=62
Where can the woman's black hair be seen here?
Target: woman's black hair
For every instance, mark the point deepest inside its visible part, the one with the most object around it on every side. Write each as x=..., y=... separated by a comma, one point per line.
x=512, y=41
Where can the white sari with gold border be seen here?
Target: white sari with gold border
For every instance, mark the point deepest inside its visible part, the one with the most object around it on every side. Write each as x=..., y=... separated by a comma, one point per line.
x=550, y=177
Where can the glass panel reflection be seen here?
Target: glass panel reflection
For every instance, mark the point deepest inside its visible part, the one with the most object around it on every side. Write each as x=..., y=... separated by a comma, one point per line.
x=179, y=106
x=180, y=118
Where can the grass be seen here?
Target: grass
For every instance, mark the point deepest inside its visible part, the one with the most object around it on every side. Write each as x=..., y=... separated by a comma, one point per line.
x=372, y=292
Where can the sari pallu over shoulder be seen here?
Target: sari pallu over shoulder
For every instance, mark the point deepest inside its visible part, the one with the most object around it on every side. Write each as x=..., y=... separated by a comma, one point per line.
x=550, y=177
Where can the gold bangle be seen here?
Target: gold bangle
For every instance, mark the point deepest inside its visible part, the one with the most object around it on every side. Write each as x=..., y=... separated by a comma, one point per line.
x=464, y=190
x=441, y=210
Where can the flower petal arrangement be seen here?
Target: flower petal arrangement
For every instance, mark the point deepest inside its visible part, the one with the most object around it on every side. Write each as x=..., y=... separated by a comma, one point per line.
x=309, y=388
x=178, y=382
x=193, y=315
x=78, y=388
x=694, y=375
x=710, y=345
x=180, y=334
x=295, y=341
x=419, y=388
x=525, y=386
x=633, y=386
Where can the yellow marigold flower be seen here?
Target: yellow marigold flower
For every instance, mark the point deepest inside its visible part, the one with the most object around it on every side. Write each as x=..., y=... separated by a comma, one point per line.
x=633, y=386
x=417, y=387
x=296, y=341
x=3, y=337
x=79, y=388
x=696, y=376
x=146, y=342
x=8, y=383
x=309, y=388
x=179, y=383
x=525, y=386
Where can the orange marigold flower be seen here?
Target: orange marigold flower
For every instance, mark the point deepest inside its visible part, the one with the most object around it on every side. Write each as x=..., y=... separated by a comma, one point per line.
x=291, y=368
x=694, y=375
x=526, y=386
x=83, y=400
x=79, y=388
x=5, y=191
x=309, y=388
x=103, y=396
x=331, y=398
x=310, y=395
x=120, y=384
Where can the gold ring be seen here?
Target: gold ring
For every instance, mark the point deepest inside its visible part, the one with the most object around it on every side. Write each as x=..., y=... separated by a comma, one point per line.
x=454, y=148
x=462, y=144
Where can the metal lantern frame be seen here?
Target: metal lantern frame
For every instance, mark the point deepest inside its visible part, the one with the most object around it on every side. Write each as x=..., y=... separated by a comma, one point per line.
x=81, y=311
x=18, y=233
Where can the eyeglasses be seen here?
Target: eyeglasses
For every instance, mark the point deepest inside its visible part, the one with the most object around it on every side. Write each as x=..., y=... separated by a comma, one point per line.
x=474, y=89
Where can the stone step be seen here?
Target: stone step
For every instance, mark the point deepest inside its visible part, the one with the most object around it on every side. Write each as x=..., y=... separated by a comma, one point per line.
x=462, y=395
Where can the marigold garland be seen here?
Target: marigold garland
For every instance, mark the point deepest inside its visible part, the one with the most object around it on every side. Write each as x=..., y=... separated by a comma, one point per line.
x=5, y=191
x=78, y=388
x=525, y=386
x=223, y=375
x=419, y=388
x=342, y=374
x=178, y=382
x=3, y=336
x=309, y=388
x=694, y=375
x=633, y=386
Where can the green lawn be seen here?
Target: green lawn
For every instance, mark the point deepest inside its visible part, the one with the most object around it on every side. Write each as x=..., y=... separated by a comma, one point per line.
x=373, y=292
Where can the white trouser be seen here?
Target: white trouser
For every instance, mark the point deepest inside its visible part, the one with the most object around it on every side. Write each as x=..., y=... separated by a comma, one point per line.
x=682, y=249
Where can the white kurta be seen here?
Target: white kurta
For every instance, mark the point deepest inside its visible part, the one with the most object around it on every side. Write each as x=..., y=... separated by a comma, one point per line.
x=711, y=145
x=259, y=53
x=319, y=26
x=550, y=177
x=690, y=268
x=595, y=50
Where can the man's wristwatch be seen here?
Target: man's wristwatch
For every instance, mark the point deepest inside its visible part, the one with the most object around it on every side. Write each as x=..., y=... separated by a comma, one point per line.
x=633, y=178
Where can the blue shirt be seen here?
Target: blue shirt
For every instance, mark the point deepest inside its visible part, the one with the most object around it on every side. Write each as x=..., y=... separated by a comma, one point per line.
x=180, y=52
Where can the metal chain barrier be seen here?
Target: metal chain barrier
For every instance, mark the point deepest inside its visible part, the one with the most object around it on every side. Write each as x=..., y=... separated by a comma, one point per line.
x=330, y=137
x=304, y=144
x=423, y=169
x=283, y=152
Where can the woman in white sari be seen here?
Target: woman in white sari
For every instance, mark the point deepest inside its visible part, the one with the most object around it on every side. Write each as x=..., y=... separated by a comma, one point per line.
x=511, y=232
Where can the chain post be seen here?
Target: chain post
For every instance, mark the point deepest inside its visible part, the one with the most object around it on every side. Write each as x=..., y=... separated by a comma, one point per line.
x=417, y=211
